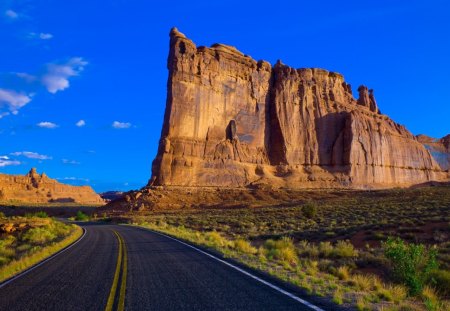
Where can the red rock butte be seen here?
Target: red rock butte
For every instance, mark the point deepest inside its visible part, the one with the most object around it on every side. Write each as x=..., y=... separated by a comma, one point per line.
x=232, y=121
x=39, y=188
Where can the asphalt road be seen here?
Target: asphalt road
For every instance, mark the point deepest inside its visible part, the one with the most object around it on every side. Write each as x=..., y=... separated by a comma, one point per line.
x=150, y=272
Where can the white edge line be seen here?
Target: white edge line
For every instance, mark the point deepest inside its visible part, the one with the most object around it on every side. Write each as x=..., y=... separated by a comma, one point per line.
x=44, y=261
x=306, y=303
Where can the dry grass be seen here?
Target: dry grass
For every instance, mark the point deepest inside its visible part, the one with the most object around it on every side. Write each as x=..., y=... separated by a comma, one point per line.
x=34, y=240
x=333, y=252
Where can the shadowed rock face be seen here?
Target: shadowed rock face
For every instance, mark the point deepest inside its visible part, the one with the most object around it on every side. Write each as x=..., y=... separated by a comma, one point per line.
x=38, y=188
x=439, y=149
x=232, y=121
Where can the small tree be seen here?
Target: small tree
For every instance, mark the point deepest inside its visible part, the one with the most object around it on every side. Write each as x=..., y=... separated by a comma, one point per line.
x=309, y=210
x=412, y=264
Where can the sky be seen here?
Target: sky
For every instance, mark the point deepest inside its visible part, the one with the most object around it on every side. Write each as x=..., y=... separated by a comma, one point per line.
x=83, y=83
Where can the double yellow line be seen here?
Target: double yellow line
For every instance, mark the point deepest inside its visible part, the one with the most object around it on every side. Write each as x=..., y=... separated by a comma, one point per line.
x=120, y=266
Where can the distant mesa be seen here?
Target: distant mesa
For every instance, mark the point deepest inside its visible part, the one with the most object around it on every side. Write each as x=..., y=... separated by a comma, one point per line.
x=232, y=121
x=37, y=188
x=112, y=195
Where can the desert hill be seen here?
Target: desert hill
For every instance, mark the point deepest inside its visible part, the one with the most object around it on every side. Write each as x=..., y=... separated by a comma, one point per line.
x=232, y=122
x=39, y=188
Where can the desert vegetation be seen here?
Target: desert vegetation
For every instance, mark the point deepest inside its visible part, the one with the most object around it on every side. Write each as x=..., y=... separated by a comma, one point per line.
x=383, y=250
x=26, y=240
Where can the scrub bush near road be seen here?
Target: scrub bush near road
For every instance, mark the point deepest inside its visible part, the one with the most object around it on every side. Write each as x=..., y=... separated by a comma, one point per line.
x=27, y=240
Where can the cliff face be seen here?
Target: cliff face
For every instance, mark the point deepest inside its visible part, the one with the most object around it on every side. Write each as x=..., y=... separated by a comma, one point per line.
x=232, y=121
x=36, y=188
x=439, y=149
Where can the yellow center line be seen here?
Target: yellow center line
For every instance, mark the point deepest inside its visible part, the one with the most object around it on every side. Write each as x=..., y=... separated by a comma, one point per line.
x=123, y=284
x=121, y=263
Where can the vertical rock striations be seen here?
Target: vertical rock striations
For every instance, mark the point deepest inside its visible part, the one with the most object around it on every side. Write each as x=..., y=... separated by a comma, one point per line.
x=232, y=121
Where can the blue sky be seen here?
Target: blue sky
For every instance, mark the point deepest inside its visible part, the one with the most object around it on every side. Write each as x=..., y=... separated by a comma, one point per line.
x=104, y=62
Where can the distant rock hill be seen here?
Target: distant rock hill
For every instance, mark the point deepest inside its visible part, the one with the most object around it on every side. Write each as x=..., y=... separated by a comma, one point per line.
x=38, y=188
x=232, y=122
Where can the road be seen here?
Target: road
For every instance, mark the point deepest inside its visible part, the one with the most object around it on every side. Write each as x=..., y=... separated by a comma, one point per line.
x=120, y=267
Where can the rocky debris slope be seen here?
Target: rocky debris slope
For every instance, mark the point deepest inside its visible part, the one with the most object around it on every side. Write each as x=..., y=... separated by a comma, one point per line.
x=439, y=149
x=38, y=188
x=231, y=121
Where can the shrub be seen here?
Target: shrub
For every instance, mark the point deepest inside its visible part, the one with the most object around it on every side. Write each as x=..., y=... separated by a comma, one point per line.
x=325, y=249
x=345, y=249
x=40, y=235
x=243, y=246
x=412, y=264
x=283, y=250
x=338, y=297
x=343, y=273
x=215, y=239
x=41, y=214
x=80, y=216
x=441, y=279
x=362, y=282
x=309, y=210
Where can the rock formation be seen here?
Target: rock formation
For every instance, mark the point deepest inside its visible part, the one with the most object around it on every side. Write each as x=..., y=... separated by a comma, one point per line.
x=231, y=121
x=38, y=188
x=439, y=149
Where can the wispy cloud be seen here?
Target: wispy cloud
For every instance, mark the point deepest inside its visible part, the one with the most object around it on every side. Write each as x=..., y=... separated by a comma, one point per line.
x=11, y=14
x=26, y=76
x=47, y=125
x=31, y=155
x=57, y=76
x=41, y=35
x=5, y=161
x=121, y=125
x=73, y=162
x=11, y=101
x=80, y=123
x=45, y=36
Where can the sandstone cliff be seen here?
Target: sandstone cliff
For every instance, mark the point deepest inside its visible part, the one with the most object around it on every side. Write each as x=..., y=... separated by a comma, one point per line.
x=38, y=188
x=439, y=148
x=231, y=121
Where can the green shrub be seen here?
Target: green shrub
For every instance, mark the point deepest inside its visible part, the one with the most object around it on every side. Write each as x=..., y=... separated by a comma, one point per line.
x=40, y=235
x=215, y=239
x=345, y=249
x=80, y=216
x=282, y=250
x=309, y=210
x=441, y=280
x=41, y=214
x=412, y=264
x=245, y=247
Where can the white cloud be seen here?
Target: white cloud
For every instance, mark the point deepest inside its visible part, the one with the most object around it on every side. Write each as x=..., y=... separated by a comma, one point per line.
x=80, y=123
x=12, y=101
x=57, y=76
x=66, y=161
x=121, y=125
x=47, y=125
x=4, y=162
x=11, y=14
x=26, y=76
x=45, y=36
x=31, y=155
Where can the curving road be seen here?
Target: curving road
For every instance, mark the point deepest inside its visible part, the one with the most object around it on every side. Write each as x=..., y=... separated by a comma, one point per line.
x=119, y=267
